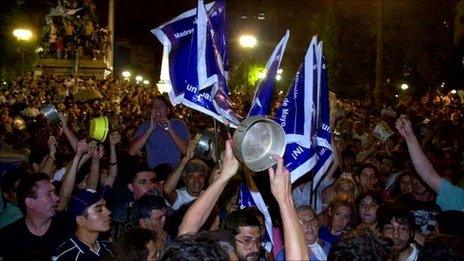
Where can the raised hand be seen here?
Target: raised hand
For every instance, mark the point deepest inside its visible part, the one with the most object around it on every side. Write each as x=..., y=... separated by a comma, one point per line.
x=230, y=164
x=52, y=144
x=82, y=148
x=403, y=125
x=280, y=181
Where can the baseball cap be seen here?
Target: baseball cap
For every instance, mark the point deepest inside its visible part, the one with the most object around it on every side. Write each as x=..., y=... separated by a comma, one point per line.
x=82, y=200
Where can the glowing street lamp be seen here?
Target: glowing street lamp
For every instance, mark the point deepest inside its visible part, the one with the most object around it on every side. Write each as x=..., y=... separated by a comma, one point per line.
x=278, y=77
x=404, y=87
x=138, y=78
x=248, y=41
x=22, y=34
x=146, y=82
x=280, y=71
x=126, y=74
x=453, y=91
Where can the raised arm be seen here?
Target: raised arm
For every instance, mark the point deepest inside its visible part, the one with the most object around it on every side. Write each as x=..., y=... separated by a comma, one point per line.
x=281, y=188
x=201, y=208
x=421, y=163
x=115, y=138
x=69, y=178
x=138, y=144
x=94, y=177
x=169, y=188
x=46, y=166
x=67, y=132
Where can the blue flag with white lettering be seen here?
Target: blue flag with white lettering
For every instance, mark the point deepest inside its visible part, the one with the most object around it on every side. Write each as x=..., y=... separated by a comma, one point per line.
x=262, y=100
x=177, y=37
x=305, y=117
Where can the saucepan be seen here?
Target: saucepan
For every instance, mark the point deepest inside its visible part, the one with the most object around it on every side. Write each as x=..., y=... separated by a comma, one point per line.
x=50, y=112
x=256, y=140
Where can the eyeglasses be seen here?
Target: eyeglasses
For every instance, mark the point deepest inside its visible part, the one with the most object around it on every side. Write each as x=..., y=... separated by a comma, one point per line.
x=249, y=243
x=308, y=222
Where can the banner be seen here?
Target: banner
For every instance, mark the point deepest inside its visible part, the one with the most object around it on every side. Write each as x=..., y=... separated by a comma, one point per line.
x=176, y=36
x=262, y=100
x=305, y=117
x=196, y=71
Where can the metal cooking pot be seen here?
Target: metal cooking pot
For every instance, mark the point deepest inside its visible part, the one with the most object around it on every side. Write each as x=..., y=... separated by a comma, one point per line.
x=256, y=139
x=205, y=145
x=50, y=112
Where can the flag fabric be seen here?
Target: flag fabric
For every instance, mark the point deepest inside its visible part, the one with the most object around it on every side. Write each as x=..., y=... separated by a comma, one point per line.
x=305, y=117
x=196, y=66
x=262, y=100
x=176, y=36
x=247, y=199
x=60, y=10
x=220, y=91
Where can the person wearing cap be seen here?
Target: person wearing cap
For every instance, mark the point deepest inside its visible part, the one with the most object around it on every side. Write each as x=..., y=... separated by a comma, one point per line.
x=88, y=213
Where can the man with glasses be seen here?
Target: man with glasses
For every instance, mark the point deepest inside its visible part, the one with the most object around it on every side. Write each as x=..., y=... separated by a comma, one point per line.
x=396, y=223
x=318, y=249
x=247, y=232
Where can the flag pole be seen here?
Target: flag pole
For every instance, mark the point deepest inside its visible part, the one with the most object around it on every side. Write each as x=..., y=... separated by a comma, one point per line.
x=218, y=158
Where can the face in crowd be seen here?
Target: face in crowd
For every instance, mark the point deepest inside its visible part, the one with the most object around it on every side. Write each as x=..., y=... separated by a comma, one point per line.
x=95, y=218
x=195, y=182
x=368, y=179
x=309, y=224
x=144, y=182
x=160, y=110
x=340, y=218
x=45, y=202
x=248, y=242
x=399, y=231
x=156, y=221
x=368, y=210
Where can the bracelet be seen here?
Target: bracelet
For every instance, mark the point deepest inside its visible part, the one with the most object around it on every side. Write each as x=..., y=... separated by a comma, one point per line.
x=113, y=163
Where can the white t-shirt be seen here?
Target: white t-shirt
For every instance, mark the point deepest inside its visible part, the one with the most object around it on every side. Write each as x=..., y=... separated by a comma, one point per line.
x=183, y=197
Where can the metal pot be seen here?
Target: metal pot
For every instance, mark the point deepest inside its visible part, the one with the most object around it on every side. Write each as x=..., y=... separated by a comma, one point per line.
x=256, y=140
x=205, y=145
x=50, y=112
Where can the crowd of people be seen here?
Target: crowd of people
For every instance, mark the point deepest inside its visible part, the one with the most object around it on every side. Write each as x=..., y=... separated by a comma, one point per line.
x=78, y=35
x=394, y=190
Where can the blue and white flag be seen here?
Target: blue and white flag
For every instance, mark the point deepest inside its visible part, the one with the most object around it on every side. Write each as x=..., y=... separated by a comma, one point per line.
x=249, y=199
x=197, y=72
x=262, y=99
x=177, y=37
x=305, y=117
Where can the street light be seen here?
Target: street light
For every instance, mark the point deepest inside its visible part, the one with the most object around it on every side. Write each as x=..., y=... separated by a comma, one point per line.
x=22, y=34
x=278, y=77
x=248, y=41
x=138, y=78
x=146, y=82
x=126, y=74
x=404, y=87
